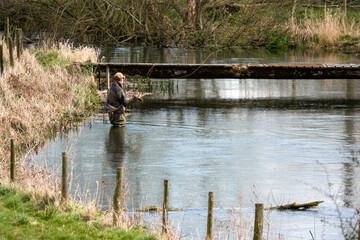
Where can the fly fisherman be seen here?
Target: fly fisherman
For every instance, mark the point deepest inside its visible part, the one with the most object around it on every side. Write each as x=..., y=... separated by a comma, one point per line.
x=117, y=101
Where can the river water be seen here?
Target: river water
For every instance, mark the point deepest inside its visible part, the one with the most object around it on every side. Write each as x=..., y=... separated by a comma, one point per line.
x=248, y=141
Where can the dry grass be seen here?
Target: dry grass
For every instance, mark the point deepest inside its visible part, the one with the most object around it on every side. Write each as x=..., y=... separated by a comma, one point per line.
x=322, y=31
x=35, y=100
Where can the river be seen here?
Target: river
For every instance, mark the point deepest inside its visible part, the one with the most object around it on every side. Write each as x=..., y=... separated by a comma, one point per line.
x=248, y=141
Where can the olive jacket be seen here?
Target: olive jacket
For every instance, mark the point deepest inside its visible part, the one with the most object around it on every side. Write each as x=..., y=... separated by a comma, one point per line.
x=116, y=104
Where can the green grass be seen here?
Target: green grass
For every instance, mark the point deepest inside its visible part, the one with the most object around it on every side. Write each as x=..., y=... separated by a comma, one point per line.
x=22, y=218
x=51, y=58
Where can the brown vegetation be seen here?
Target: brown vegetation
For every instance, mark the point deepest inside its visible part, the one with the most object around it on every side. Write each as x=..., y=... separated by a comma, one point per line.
x=37, y=99
x=324, y=30
x=185, y=23
x=191, y=23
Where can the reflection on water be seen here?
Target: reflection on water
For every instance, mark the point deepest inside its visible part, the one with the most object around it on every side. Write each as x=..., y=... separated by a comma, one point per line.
x=115, y=147
x=268, y=141
x=244, y=92
x=228, y=56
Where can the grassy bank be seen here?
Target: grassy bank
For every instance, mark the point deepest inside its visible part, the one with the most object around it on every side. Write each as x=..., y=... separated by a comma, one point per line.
x=43, y=94
x=26, y=215
x=325, y=28
x=191, y=23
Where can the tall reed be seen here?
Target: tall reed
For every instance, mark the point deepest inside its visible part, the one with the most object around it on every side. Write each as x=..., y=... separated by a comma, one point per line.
x=324, y=30
x=35, y=99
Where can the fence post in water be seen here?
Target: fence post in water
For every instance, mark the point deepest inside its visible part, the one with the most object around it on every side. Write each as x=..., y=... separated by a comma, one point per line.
x=165, y=207
x=11, y=55
x=108, y=76
x=1, y=59
x=359, y=229
x=210, y=217
x=259, y=221
x=12, y=160
x=64, y=193
x=117, y=194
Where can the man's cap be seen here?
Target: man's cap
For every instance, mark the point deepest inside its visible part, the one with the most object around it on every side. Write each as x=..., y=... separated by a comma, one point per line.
x=119, y=76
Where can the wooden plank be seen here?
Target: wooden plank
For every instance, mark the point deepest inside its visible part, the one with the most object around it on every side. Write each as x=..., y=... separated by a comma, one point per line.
x=226, y=71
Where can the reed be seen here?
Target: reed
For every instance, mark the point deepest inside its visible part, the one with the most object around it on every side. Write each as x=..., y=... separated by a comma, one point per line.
x=35, y=98
x=324, y=29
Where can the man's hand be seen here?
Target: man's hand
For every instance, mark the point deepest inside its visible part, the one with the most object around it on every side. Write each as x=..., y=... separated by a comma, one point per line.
x=138, y=96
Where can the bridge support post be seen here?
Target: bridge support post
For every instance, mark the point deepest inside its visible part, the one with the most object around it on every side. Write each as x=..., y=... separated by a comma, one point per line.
x=108, y=76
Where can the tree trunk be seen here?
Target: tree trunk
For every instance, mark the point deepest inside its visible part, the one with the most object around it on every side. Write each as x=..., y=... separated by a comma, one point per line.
x=191, y=7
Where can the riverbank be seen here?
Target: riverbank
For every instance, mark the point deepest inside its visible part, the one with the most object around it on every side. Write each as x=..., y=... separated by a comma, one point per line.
x=42, y=95
x=25, y=215
x=279, y=25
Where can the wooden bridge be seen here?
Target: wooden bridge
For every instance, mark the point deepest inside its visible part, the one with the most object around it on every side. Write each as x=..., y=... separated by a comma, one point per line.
x=226, y=71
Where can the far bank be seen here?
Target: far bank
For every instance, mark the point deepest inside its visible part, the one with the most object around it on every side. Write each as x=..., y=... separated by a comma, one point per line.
x=285, y=24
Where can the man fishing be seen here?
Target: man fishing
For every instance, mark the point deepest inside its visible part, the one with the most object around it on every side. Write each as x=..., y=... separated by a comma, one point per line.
x=117, y=101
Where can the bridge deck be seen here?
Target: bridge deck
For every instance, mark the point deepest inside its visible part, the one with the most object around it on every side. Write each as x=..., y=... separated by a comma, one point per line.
x=222, y=71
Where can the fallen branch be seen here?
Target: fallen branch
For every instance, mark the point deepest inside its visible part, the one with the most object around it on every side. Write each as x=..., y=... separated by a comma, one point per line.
x=156, y=209
x=296, y=206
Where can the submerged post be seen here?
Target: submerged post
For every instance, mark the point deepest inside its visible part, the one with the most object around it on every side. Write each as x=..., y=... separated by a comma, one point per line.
x=64, y=193
x=210, y=217
x=259, y=221
x=117, y=194
x=12, y=160
x=165, y=207
x=1, y=59
x=359, y=229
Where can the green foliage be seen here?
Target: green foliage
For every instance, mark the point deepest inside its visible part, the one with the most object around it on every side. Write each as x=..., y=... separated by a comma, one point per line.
x=278, y=41
x=52, y=58
x=345, y=37
x=87, y=68
x=22, y=219
x=302, y=12
x=198, y=38
x=315, y=38
x=353, y=15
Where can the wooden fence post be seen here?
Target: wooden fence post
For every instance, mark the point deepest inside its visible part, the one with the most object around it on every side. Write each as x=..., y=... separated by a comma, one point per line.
x=19, y=42
x=108, y=76
x=259, y=221
x=1, y=59
x=99, y=72
x=358, y=229
x=11, y=55
x=64, y=193
x=12, y=160
x=13, y=36
x=7, y=30
x=210, y=217
x=165, y=207
x=117, y=194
